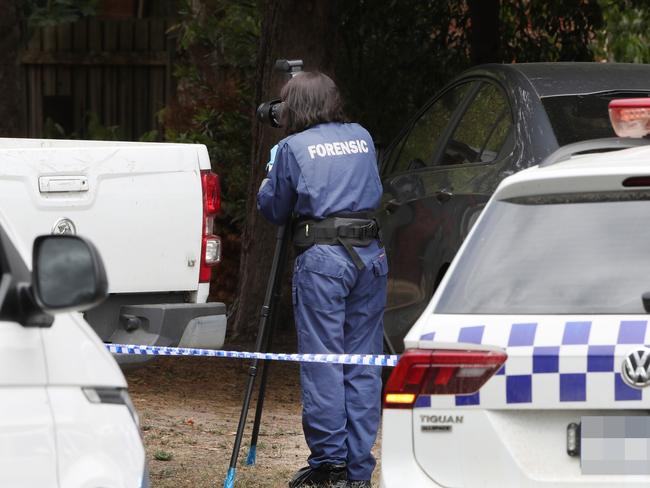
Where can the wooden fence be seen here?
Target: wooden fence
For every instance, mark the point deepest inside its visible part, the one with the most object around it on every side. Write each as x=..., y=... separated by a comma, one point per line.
x=118, y=70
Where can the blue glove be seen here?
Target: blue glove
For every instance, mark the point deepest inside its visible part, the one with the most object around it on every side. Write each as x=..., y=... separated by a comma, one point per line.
x=269, y=165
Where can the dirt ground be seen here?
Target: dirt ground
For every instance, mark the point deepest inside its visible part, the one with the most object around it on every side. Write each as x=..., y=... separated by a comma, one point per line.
x=189, y=409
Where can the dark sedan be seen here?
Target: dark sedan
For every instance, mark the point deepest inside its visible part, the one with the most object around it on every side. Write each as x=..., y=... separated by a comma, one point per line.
x=488, y=123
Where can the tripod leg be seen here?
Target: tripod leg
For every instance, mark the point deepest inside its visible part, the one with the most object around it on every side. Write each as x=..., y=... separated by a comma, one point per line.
x=252, y=451
x=281, y=239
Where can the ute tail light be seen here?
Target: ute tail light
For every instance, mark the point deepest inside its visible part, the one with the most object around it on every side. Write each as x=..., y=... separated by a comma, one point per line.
x=630, y=117
x=439, y=372
x=211, y=192
x=210, y=256
x=210, y=243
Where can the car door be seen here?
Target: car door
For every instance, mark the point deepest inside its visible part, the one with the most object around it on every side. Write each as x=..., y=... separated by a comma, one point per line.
x=410, y=212
x=473, y=155
x=27, y=431
x=436, y=181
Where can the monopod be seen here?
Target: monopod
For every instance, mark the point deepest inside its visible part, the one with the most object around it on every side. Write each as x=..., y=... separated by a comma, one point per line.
x=263, y=339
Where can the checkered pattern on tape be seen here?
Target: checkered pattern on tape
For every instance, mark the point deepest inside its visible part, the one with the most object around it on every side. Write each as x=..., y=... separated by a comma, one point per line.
x=361, y=359
x=558, y=363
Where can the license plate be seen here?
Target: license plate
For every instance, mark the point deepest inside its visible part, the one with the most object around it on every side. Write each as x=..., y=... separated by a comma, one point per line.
x=615, y=445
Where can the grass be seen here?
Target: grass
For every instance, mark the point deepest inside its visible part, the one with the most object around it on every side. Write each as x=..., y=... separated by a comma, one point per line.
x=163, y=455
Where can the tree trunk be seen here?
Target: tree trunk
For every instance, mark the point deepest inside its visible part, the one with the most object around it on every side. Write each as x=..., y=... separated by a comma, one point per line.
x=484, y=34
x=11, y=108
x=291, y=29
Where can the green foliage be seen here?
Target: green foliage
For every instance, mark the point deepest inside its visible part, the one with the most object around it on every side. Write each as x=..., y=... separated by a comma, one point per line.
x=230, y=27
x=395, y=55
x=41, y=13
x=214, y=104
x=93, y=130
x=149, y=136
x=52, y=130
x=552, y=30
x=626, y=35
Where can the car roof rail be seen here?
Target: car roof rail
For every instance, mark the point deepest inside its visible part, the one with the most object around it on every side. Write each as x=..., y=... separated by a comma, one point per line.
x=593, y=145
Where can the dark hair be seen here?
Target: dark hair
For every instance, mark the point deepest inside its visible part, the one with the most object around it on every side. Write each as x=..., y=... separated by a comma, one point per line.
x=310, y=98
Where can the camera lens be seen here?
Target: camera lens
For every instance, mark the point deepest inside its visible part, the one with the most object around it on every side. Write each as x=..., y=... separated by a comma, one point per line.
x=270, y=112
x=276, y=113
x=263, y=112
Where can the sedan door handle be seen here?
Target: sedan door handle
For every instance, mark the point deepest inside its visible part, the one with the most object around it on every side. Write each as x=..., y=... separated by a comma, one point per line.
x=444, y=195
x=392, y=206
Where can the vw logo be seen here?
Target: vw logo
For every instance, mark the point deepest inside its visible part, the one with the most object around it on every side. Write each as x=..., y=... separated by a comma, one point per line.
x=64, y=226
x=636, y=368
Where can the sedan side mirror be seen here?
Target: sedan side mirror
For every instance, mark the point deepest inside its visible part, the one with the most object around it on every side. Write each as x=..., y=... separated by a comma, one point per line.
x=67, y=273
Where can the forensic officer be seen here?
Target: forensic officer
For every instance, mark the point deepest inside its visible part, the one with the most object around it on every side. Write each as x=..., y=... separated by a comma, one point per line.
x=325, y=173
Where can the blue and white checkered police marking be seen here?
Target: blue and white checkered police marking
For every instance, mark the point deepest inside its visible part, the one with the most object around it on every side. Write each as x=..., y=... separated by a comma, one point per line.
x=552, y=362
x=361, y=359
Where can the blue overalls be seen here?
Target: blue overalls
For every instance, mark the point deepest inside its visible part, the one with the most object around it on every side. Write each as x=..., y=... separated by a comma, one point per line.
x=327, y=169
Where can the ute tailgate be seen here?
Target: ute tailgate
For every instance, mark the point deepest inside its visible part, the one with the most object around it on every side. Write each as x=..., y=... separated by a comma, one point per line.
x=140, y=204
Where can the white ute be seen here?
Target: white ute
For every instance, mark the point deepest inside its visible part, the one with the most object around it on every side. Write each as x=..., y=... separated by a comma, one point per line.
x=149, y=209
x=66, y=420
x=530, y=368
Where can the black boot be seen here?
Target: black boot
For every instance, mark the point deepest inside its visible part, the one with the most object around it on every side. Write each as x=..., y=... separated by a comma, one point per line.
x=324, y=476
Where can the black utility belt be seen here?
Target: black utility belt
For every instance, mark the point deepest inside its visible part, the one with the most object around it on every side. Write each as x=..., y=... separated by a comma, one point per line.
x=348, y=232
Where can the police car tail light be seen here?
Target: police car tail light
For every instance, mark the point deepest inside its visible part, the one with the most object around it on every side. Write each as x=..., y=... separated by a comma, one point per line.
x=630, y=117
x=439, y=372
x=210, y=243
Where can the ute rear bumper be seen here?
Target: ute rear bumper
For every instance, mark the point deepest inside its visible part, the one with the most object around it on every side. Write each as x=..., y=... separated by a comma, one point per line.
x=195, y=325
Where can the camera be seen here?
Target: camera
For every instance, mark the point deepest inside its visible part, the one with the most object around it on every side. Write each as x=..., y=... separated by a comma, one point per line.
x=270, y=112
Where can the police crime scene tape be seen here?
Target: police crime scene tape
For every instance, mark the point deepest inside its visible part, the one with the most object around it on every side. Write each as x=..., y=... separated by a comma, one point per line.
x=360, y=359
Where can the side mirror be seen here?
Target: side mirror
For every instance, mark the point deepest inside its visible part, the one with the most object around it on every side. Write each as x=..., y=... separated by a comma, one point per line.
x=67, y=273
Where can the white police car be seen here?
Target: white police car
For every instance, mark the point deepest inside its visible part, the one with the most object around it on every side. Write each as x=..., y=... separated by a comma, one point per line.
x=531, y=366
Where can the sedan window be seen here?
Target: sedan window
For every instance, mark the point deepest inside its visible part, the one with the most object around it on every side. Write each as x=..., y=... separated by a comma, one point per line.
x=581, y=117
x=418, y=147
x=482, y=131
